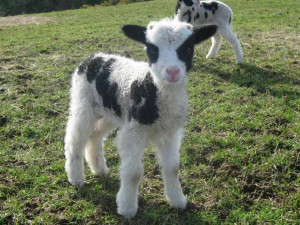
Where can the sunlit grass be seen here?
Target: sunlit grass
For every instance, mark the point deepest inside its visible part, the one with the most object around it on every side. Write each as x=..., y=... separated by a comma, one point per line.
x=240, y=155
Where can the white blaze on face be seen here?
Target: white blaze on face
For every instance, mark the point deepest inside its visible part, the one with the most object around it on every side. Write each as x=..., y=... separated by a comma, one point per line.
x=168, y=36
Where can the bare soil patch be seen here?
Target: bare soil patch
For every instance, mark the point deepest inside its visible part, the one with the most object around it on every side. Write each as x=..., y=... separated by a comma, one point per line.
x=22, y=20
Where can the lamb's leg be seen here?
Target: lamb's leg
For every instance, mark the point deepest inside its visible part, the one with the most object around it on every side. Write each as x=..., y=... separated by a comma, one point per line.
x=94, y=150
x=131, y=146
x=216, y=42
x=228, y=34
x=79, y=128
x=168, y=153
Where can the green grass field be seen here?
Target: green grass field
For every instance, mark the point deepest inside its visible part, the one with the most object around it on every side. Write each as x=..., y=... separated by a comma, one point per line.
x=240, y=159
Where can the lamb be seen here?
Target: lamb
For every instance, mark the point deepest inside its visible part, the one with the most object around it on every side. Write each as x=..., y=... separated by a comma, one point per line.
x=146, y=101
x=211, y=12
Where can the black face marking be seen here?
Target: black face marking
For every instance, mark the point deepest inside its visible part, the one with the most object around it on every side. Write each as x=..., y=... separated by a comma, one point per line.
x=83, y=66
x=143, y=96
x=152, y=52
x=210, y=6
x=107, y=90
x=206, y=15
x=186, y=52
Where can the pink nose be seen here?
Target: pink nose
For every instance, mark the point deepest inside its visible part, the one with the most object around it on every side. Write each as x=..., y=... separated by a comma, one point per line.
x=173, y=71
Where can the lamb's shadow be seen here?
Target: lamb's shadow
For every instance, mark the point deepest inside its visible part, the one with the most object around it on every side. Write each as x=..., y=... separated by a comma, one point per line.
x=160, y=210
x=259, y=78
x=102, y=192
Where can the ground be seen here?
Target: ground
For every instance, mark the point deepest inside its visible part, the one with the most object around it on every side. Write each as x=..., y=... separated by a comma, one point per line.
x=241, y=150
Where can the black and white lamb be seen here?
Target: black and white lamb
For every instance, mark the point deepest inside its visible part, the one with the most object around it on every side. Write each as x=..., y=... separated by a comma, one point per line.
x=200, y=13
x=147, y=101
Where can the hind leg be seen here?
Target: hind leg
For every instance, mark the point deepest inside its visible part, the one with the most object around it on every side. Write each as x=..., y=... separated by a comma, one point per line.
x=94, y=150
x=228, y=34
x=216, y=41
x=79, y=128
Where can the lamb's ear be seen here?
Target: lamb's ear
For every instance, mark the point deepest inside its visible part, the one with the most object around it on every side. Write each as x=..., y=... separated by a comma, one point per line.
x=135, y=32
x=203, y=33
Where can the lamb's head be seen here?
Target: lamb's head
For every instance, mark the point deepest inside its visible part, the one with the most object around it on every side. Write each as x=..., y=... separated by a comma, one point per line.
x=170, y=46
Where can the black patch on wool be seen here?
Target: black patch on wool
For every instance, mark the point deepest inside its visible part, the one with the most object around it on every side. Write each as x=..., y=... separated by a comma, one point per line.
x=144, y=96
x=83, y=66
x=215, y=5
x=188, y=2
x=186, y=52
x=177, y=6
x=93, y=68
x=189, y=14
x=210, y=6
x=107, y=90
x=229, y=20
x=206, y=15
x=197, y=16
x=152, y=52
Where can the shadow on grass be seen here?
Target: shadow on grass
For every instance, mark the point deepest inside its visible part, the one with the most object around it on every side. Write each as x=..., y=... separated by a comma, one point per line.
x=154, y=211
x=101, y=191
x=261, y=79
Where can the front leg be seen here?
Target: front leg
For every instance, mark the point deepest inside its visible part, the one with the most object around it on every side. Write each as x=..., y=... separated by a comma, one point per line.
x=168, y=153
x=131, y=146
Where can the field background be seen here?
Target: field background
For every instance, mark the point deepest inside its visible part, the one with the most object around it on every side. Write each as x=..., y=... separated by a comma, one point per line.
x=241, y=152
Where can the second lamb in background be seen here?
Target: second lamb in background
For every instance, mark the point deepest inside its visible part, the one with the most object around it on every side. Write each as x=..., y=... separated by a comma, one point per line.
x=199, y=13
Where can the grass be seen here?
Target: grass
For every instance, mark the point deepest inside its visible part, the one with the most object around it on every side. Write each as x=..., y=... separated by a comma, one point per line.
x=241, y=150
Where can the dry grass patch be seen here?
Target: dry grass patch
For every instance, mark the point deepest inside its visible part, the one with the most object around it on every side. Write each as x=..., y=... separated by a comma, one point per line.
x=23, y=20
x=277, y=36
